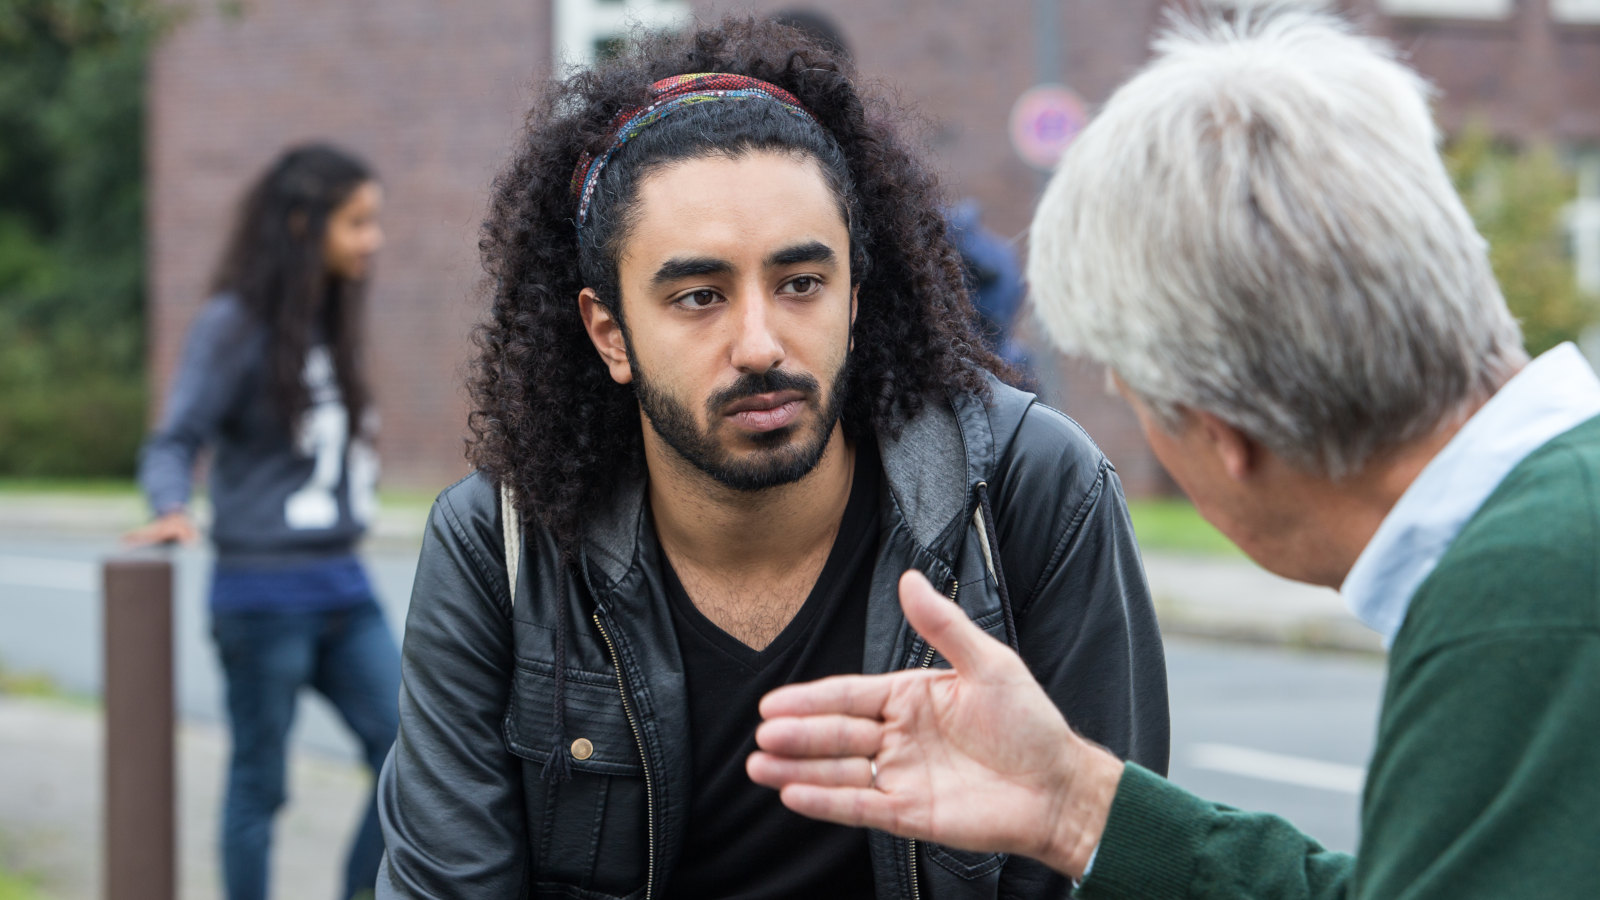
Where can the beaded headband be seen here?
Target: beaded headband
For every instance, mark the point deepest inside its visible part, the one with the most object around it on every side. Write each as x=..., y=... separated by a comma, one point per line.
x=667, y=96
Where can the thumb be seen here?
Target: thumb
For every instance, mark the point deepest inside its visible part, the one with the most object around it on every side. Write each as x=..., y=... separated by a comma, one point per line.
x=945, y=626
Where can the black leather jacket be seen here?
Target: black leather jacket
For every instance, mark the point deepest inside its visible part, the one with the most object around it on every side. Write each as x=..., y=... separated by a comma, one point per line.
x=465, y=810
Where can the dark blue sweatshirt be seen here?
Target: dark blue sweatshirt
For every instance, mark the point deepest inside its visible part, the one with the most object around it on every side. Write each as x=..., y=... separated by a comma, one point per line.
x=278, y=501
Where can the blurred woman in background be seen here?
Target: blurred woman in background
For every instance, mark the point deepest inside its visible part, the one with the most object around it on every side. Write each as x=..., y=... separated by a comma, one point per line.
x=271, y=382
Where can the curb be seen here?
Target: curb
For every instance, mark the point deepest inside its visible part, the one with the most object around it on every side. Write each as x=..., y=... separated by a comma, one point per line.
x=1233, y=599
x=47, y=516
x=1330, y=635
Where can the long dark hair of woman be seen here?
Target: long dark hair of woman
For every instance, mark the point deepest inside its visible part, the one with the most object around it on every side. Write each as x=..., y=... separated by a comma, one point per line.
x=274, y=264
x=547, y=418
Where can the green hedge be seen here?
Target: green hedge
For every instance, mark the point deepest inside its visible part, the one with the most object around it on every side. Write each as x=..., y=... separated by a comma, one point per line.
x=88, y=428
x=1518, y=197
x=72, y=234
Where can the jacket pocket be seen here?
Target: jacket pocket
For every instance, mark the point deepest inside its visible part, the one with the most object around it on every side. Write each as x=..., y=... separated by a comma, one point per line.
x=546, y=891
x=964, y=864
x=589, y=834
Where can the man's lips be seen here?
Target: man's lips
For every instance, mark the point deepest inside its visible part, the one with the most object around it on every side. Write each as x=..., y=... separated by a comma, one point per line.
x=767, y=412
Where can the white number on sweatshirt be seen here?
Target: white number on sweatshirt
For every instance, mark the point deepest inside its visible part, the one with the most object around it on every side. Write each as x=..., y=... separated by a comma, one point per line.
x=324, y=434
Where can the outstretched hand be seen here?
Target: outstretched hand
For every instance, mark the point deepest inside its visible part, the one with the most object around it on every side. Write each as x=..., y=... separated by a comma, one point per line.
x=975, y=757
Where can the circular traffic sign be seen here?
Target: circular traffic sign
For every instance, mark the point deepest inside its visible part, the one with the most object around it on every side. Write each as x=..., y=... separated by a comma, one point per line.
x=1044, y=120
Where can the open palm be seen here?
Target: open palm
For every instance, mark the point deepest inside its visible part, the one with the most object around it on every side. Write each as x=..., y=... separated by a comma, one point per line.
x=975, y=757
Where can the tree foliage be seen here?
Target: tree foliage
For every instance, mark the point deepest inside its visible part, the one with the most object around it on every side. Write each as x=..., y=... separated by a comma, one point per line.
x=1518, y=197
x=71, y=233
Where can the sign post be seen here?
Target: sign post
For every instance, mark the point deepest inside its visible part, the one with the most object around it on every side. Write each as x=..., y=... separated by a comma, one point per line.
x=140, y=848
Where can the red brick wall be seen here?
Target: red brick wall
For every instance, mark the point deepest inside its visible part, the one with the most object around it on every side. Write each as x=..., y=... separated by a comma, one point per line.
x=430, y=92
x=1528, y=76
x=433, y=92
x=958, y=65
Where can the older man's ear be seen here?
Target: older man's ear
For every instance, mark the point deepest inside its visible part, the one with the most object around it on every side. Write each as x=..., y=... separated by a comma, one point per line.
x=1197, y=433
x=1238, y=454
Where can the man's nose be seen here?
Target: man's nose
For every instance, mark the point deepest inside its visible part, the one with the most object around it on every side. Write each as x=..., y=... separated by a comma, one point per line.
x=756, y=347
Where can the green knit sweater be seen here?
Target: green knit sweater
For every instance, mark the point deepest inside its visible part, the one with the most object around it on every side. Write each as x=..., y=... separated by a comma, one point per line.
x=1485, y=781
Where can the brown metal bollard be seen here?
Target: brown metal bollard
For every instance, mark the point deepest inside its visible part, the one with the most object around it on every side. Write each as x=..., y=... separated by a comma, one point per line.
x=140, y=790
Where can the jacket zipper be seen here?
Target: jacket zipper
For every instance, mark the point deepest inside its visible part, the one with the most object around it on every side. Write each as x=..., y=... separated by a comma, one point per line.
x=911, y=845
x=644, y=762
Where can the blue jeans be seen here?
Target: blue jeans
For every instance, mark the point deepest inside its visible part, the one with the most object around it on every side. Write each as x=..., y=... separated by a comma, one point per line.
x=347, y=655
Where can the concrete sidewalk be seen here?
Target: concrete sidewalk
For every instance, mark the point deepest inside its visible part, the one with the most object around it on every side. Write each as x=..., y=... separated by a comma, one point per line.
x=52, y=757
x=1232, y=598
x=42, y=513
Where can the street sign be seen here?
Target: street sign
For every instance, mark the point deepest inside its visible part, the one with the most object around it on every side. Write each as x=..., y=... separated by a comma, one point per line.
x=1044, y=120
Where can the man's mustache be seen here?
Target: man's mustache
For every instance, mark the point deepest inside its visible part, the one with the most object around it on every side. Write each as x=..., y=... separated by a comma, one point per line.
x=771, y=381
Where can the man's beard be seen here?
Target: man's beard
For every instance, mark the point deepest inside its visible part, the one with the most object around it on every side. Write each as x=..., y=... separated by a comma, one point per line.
x=783, y=456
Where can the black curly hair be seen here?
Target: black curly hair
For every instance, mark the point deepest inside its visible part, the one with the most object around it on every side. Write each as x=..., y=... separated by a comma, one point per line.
x=547, y=419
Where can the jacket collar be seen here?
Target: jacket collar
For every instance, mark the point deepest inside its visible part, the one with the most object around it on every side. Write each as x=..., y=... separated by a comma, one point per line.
x=930, y=468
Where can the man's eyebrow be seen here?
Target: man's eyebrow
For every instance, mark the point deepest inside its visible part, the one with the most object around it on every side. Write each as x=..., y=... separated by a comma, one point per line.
x=690, y=267
x=809, y=252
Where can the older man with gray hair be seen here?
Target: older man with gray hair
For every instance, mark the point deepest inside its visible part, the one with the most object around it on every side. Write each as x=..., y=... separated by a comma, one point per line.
x=1258, y=238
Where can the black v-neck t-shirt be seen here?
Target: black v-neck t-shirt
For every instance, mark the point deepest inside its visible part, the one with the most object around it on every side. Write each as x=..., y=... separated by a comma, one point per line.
x=741, y=841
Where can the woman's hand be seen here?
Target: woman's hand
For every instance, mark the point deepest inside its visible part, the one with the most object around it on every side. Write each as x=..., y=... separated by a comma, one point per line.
x=172, y=528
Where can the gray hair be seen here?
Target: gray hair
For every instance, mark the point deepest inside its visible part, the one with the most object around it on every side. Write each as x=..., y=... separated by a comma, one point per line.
x=1258, y=225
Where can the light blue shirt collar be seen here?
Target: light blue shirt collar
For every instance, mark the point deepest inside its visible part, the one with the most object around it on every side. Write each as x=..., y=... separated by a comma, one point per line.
x=1550, y=396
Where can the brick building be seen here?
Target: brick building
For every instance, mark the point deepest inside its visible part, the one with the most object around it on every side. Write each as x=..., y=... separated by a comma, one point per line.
x=433, y=93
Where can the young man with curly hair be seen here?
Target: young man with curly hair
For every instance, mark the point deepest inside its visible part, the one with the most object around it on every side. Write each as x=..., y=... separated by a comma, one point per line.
x=730, y=389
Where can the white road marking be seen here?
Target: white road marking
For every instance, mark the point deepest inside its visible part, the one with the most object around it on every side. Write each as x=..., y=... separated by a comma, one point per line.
x=50, y=574
x=1298, y=770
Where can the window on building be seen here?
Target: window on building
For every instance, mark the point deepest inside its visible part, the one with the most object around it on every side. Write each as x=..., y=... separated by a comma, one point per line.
x=1250, y=4
x=1583, y=220
x=1449, y=9
x=589, y=30
x=606, y=48
x=1584, y=12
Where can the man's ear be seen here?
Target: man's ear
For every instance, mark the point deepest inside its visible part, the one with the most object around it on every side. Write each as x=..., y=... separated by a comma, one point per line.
x=605, y=331
x=1239, y=453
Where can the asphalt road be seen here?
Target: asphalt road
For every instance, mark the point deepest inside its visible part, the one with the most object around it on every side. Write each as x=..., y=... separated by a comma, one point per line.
x=50, y=623
x=1253, y=727
x=1283, y=731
